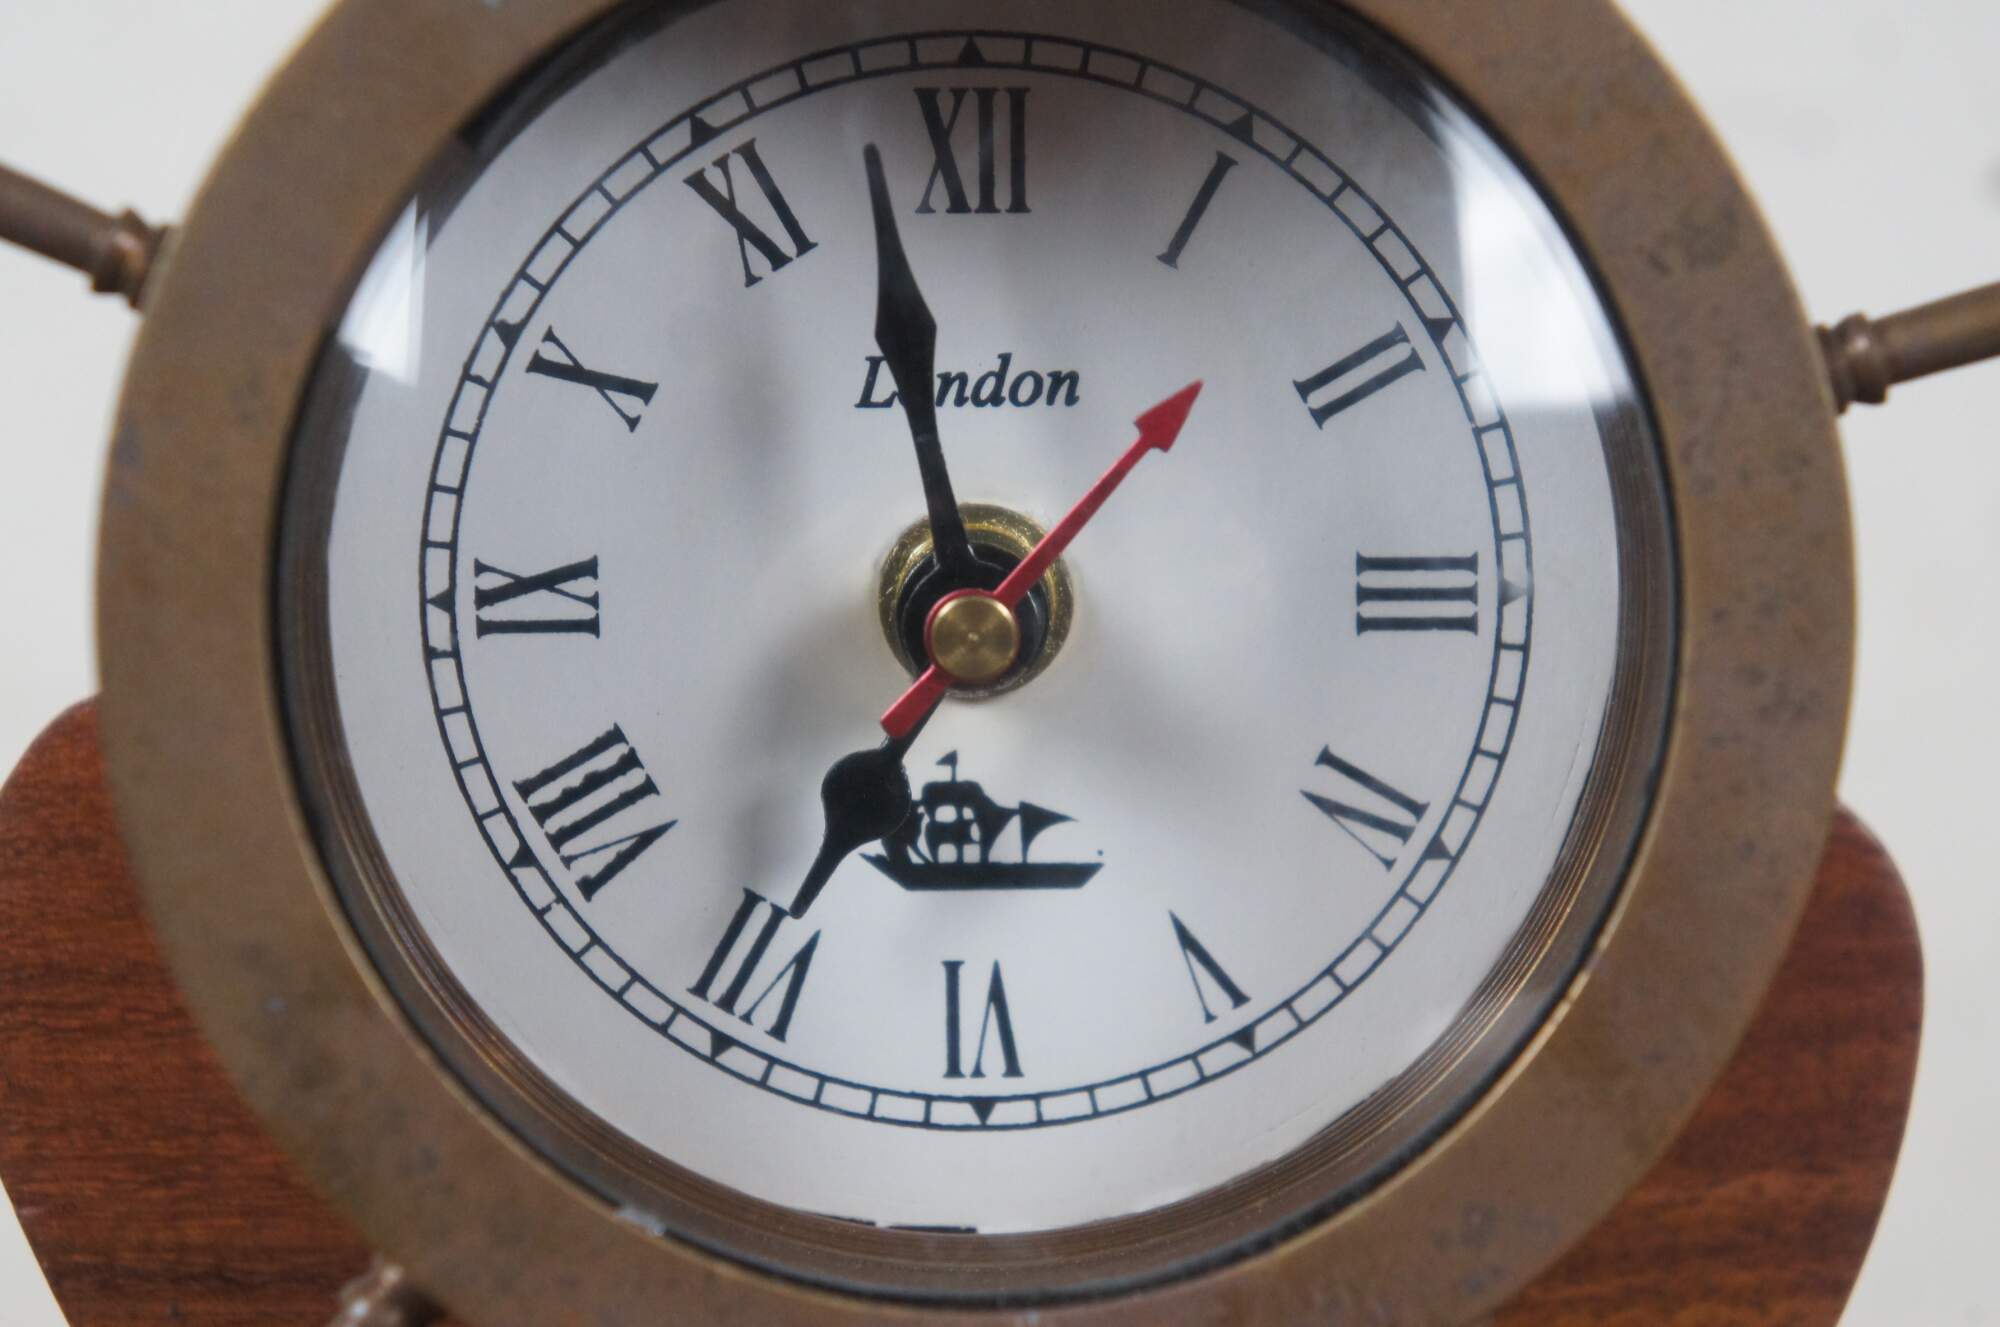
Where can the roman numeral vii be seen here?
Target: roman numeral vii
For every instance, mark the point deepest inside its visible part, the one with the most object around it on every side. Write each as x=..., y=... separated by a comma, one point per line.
x=737, y=978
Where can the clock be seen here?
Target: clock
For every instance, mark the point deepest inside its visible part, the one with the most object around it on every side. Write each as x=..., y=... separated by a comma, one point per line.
x=673, y=772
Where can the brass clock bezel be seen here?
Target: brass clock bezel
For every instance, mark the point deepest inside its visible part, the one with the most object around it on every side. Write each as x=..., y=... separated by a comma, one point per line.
x=194, y=728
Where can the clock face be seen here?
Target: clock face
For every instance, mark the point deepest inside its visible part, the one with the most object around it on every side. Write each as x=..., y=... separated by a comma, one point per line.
x=1292, y=806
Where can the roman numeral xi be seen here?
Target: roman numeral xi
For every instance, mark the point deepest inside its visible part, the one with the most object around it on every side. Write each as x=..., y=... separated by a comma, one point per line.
x=750, y=234
x=583, y=801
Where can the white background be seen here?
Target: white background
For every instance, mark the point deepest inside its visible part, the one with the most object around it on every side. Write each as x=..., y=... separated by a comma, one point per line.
x=1870, y=132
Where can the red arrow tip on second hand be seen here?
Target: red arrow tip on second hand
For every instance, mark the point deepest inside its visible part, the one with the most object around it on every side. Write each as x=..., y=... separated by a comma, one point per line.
x=1159, y=426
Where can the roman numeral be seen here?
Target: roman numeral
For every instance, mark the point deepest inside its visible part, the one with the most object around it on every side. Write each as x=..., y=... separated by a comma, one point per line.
x=1414, y=594
x=1380, y=818
x=749, y=235
x=545, y=604
x=940, y=123
x=628, y=396
x=995, y=1020
x=1198, y=959
x=582, y=793
x=1224, y=163
x=1354, y=379
x=792, y=973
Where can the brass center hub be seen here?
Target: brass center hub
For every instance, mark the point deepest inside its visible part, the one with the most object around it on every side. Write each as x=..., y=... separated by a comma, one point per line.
x=973, y=637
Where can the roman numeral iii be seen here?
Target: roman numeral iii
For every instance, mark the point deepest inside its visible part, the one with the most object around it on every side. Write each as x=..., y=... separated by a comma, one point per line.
x=583, y=794
x=1416, y=594
x=737, y=978
x=994, y=1019
x=1349, y=381
x=628, y=396
x=560, y=601
x=749, y=234
x=1371, y=812
x=940, y=122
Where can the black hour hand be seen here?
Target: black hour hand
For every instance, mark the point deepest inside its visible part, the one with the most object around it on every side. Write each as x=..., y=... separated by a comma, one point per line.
x=866, y=796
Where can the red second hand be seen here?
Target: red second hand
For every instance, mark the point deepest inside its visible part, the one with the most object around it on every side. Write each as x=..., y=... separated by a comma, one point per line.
x=1158, y=428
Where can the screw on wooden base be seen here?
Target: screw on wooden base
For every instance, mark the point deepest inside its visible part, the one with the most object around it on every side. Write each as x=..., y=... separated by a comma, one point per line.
x=116, y=253
x=1865, y=357
x=383, y=1297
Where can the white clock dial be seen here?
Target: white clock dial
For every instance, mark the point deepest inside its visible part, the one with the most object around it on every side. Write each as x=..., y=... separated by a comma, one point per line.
x=614, y=466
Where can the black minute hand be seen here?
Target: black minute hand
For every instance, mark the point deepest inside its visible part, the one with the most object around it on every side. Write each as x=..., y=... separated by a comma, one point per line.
x=907, y=335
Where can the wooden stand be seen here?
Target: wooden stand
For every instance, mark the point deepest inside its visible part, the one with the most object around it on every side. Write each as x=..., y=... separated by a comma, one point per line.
x=150, y=1195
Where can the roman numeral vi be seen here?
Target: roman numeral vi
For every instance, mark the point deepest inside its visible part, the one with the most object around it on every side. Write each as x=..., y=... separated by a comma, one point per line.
x=995, y=1019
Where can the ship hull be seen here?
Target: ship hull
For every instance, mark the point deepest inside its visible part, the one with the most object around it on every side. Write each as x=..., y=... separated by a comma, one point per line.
x=986, y=875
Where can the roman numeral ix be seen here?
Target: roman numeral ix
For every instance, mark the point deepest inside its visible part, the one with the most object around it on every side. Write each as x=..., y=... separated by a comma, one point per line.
x=791, y=973
x=750, y=235
x=544, y=604
x=583, y=793
x=995, y=1020
x=940, y=122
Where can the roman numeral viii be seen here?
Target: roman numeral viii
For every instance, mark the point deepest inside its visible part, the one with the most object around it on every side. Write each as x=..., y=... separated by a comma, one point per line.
x=584, y=793
x=561, y=601
x=1349, y=381
x=628, y=396
x=940, y=123
x=737, y=977
x=1373, y=814
x=750, y=235
x=995, y=1019
x=1416, y=594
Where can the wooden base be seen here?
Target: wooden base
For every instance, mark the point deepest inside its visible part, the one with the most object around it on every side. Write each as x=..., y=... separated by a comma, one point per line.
x=150, y=1195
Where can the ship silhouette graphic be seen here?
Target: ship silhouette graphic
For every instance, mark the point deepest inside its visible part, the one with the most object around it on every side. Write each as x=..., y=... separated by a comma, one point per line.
x=958, y=839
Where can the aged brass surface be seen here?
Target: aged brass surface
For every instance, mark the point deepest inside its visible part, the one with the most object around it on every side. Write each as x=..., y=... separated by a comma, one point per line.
x=974, y=637
x=275, y=971
x=116, y=253
x=1867, y=356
